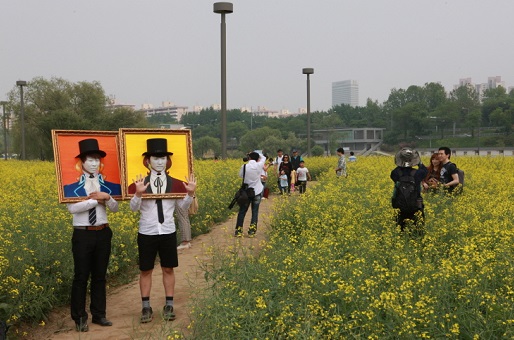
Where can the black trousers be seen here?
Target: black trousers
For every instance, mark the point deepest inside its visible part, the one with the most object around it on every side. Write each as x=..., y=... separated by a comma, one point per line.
x=410, y=215
x=91, y=250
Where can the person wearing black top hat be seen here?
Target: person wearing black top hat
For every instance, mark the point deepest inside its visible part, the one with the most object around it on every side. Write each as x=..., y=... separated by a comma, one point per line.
x=159, y=147
x=405, y=160
x=157, y=230
x=90, y=166
x=91, y=241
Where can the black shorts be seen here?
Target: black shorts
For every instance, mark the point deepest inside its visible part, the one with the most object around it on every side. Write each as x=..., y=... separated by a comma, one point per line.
x=150, y=245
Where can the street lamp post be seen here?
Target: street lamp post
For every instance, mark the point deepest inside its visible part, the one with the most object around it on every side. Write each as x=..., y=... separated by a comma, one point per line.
x=308, y=72
x=223, y=8
x=3, y=103
x=22, y=83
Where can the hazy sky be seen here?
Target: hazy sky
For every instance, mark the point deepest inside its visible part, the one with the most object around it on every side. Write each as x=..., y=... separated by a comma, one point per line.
x=154, y=50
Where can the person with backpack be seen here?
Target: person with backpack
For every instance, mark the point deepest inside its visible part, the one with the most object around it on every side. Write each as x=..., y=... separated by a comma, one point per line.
x=407, y=191
x=449, y=172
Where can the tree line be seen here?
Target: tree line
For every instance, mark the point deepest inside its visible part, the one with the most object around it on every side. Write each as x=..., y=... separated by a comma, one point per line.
x=406, y=115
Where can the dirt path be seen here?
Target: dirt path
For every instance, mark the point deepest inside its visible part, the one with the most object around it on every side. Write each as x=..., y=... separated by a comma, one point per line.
x=124, y=303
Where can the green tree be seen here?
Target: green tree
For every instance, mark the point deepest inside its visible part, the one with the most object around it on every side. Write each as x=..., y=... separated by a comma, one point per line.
x=203, y=145
x=59, y=104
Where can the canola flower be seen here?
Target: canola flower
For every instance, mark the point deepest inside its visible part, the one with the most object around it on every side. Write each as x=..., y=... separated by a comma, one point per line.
x=336, y=266
x=36, y=265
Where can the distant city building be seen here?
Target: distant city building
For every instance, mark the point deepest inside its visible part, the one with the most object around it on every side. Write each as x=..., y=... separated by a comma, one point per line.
x=167, y=108
x=494, y=82
x=345, y=92
x=196, y=108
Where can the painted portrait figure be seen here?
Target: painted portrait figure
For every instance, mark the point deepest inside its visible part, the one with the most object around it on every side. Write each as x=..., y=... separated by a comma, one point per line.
x=89, y=164
x=157, y=159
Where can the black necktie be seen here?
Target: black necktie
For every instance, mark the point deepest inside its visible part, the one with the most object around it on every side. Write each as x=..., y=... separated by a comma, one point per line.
x=160, y=214
x=92, y=211
x=158, y=184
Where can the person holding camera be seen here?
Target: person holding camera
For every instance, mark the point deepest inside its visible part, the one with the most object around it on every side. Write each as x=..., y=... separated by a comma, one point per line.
x=252, y=177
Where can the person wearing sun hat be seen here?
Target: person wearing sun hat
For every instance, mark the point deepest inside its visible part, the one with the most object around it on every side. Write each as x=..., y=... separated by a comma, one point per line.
x=405, y=160
x=157, y=230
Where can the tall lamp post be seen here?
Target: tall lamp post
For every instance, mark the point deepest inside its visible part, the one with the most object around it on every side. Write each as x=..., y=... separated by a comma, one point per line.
x=308, y=72
x=22, y=83
x=3, y=103
x=223, y=8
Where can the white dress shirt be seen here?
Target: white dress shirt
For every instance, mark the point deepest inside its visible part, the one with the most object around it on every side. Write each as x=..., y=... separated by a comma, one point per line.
x=149, y=220
x=253, y=174
x=80, y=210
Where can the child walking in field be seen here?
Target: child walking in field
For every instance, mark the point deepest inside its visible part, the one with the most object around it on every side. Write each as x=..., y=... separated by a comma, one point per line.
x=283, y=182
x=303, y=175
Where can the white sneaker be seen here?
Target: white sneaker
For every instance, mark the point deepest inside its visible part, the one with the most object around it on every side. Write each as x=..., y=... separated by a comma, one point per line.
x=184, y=246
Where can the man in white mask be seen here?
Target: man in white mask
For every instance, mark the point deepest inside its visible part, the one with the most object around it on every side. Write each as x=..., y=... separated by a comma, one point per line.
x=91, y=241
x=157, y=230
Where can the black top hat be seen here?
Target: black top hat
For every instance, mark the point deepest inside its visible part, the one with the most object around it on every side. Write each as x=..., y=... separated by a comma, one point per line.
x=89, y=146
x=157, y=147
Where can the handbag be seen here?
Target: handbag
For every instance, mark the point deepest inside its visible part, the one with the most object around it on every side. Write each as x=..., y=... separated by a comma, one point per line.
x=193, y=208
x=243, y=194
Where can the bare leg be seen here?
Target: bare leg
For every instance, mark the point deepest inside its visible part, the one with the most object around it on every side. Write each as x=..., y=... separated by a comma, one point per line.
x=145, y=282
x=168, y=280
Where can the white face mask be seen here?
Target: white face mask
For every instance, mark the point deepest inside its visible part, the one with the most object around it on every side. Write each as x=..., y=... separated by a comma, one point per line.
x=91, y=164
x=158, y=163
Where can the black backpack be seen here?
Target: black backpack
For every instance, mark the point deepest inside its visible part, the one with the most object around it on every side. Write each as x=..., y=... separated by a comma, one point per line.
x=405, y=194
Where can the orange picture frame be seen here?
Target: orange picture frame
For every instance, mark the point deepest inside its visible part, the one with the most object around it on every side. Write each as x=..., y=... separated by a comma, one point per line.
x=68, y=167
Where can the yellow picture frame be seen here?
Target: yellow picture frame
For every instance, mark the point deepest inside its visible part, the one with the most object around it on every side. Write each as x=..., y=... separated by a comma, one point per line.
x=133, y=143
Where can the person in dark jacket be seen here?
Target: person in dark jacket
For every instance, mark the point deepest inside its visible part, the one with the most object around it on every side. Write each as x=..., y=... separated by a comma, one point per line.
x=405, y=160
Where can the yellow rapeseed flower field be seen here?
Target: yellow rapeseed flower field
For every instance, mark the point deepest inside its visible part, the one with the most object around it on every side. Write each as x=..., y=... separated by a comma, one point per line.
x=336, y=265
x=36, y=266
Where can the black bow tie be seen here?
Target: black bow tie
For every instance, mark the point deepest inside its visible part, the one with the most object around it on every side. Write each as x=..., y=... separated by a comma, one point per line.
x=91, y=176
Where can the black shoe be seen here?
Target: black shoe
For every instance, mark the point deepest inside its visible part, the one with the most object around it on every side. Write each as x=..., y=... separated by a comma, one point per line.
x=102, y=322
x=252, y=230
x=81, y=326
x=146, y=315
x=167, y=313
x=239, y=232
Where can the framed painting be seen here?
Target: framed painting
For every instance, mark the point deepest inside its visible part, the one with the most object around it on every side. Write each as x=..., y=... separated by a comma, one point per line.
x=141, y=152
x=72, y=149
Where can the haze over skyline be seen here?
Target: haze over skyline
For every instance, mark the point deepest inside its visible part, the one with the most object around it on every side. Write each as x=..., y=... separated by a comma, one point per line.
x=156, y=51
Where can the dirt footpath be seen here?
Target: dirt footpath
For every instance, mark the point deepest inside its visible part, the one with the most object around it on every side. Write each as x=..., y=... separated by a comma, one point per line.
x=124, y=303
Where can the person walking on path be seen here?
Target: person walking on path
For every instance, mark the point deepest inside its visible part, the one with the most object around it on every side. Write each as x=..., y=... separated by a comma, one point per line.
x=157, y=231
x=296, y=159
x=303, y=176
x=287, y=167
x=276, y=164
x=251, y=172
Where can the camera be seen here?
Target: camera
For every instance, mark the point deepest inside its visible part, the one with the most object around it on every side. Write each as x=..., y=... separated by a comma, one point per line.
x=245, y=159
